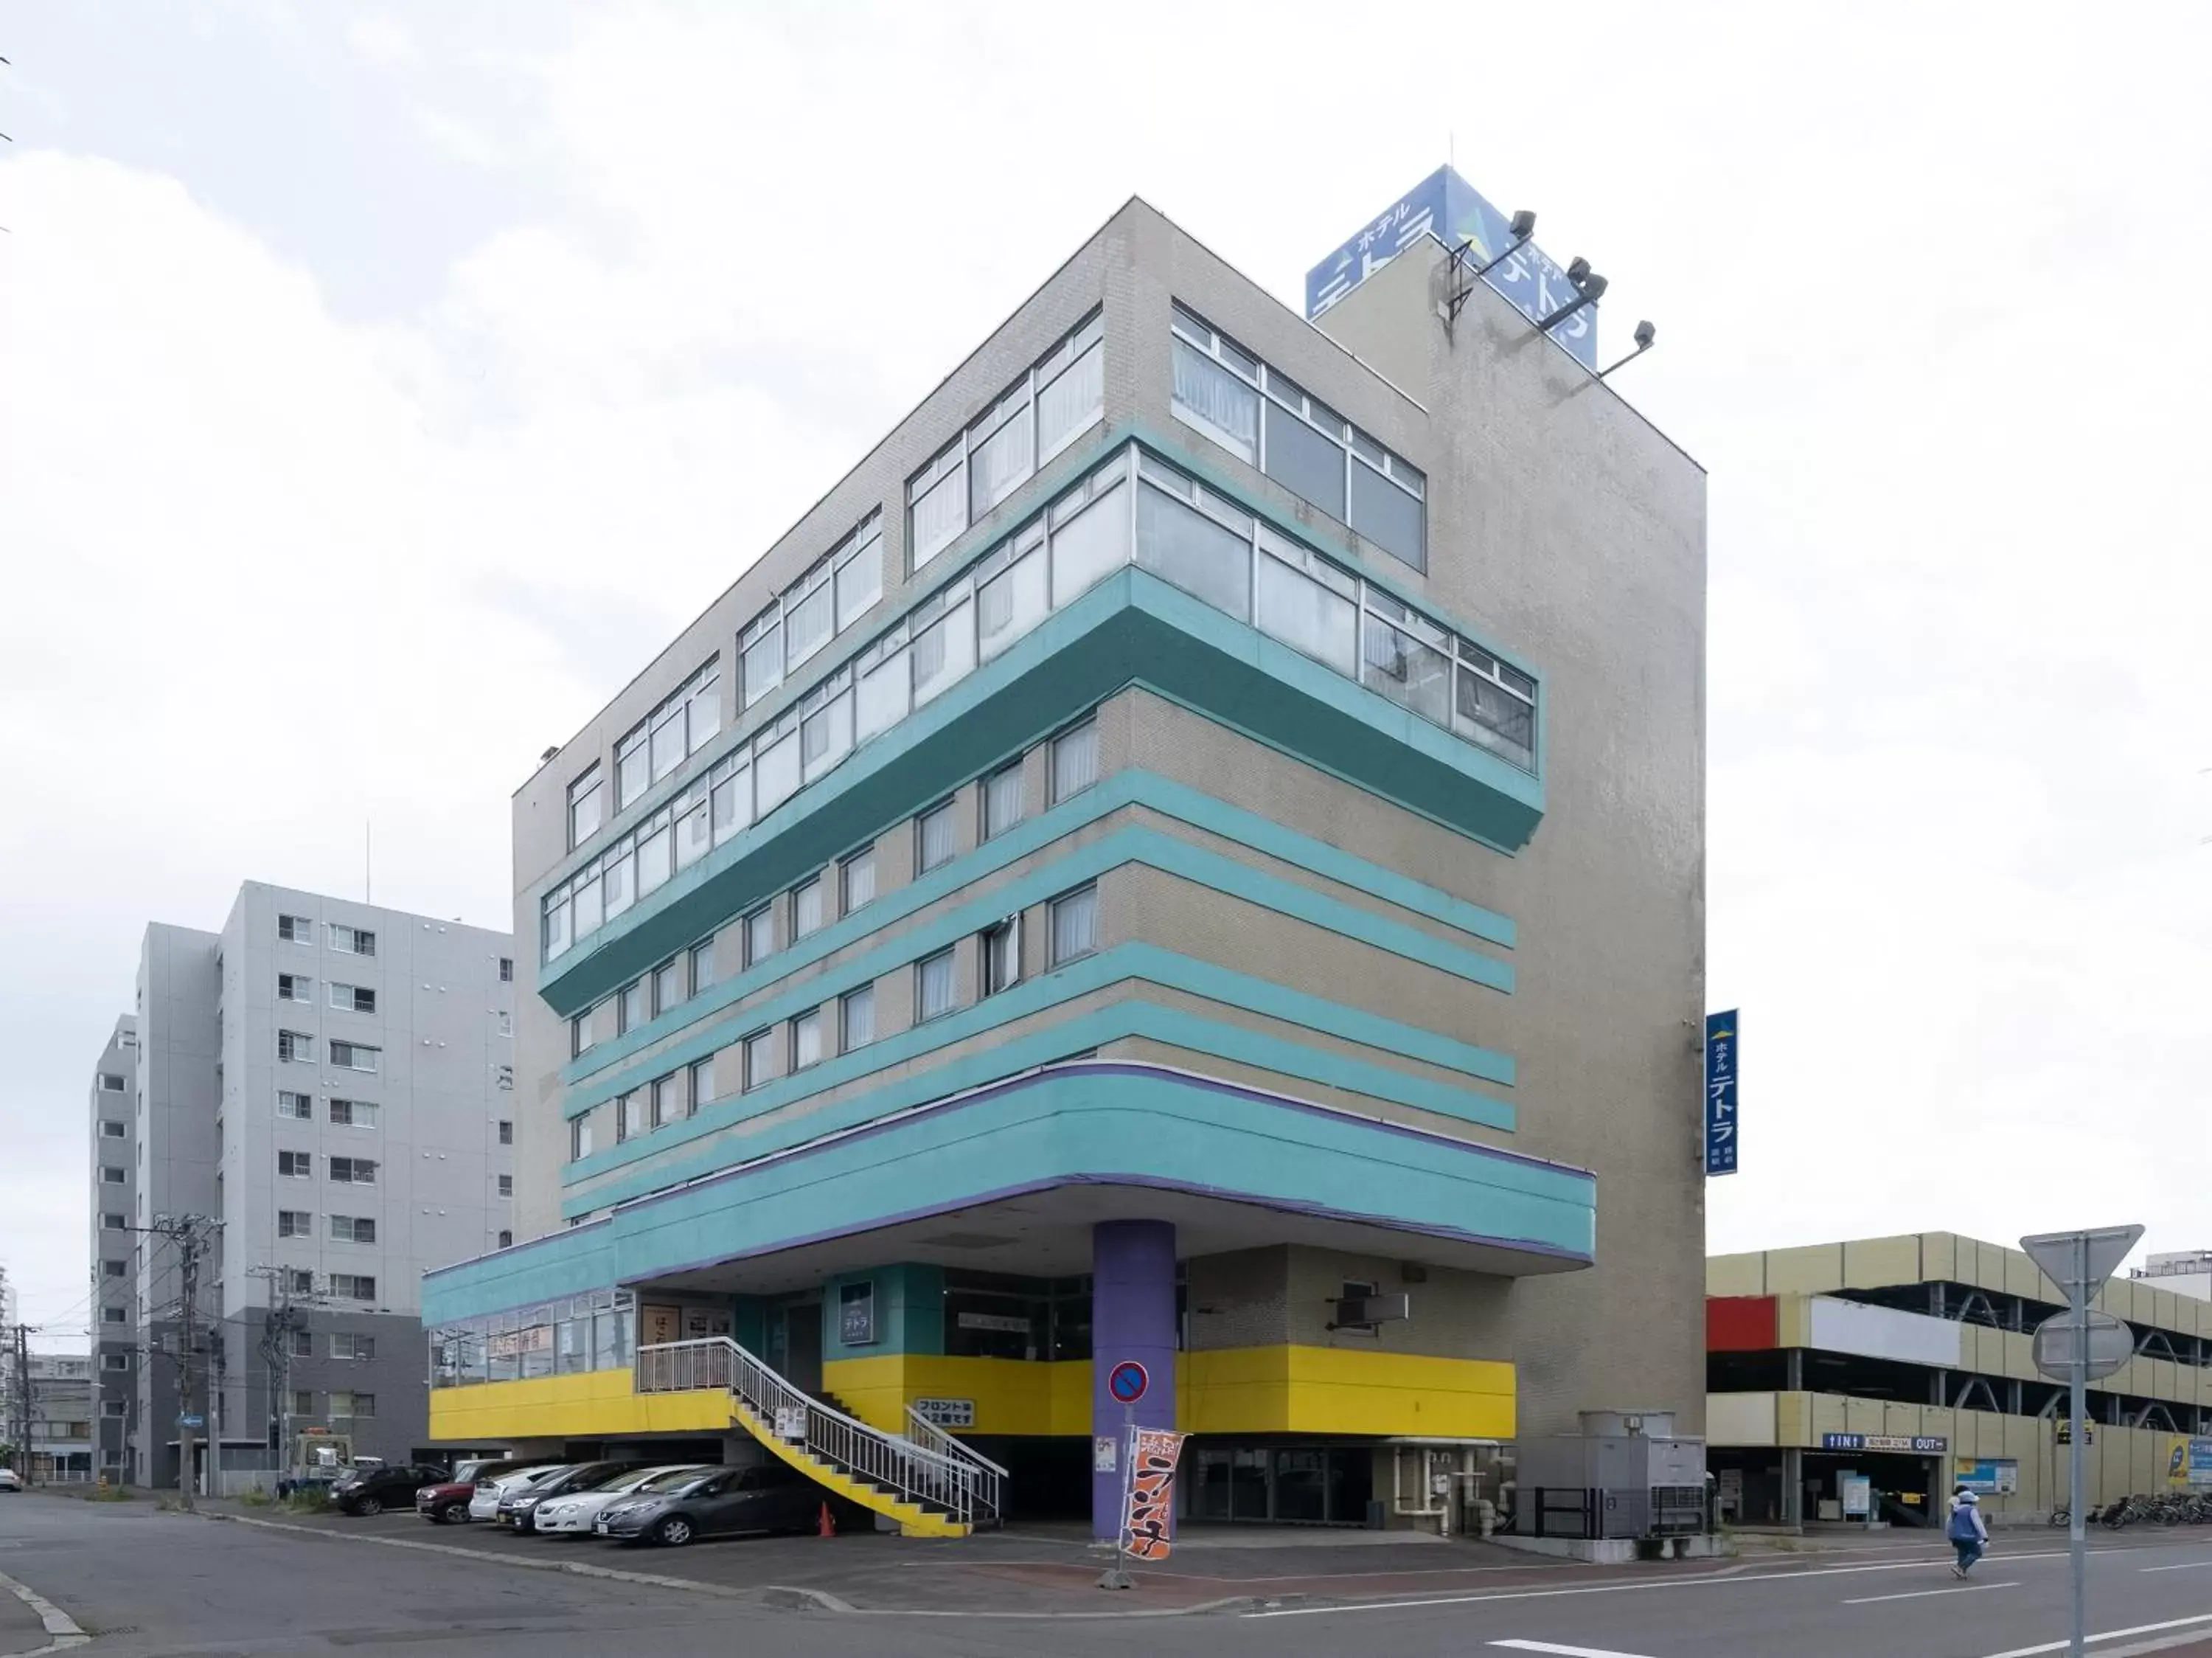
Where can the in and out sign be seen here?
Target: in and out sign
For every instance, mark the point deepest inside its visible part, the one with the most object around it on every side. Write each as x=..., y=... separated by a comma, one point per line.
x=1911, y=1444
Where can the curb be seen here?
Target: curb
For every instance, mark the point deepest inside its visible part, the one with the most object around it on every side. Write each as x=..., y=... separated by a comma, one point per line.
x=60, y=1625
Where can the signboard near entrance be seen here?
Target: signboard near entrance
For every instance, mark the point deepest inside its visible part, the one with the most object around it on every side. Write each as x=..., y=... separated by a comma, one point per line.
x=856, y=1313
x=946, y=1412
x=1858, y=1492
x=1909, y=1444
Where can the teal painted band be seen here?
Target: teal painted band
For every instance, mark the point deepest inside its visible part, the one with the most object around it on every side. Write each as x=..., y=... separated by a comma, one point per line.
x=1107, y=1124
x=1131, y=844
x=1131, y=627
x=778, y=1129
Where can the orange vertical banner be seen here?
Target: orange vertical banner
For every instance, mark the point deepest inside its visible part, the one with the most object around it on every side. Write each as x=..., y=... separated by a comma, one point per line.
x=1153, y=1454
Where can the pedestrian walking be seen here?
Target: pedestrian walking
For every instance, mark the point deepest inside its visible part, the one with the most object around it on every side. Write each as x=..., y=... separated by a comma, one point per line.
x=1968, y=1532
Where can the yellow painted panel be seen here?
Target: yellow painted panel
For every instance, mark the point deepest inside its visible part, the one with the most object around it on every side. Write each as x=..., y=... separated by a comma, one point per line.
x=1816, y=1268
x=1879, y=1263
x=1011, y=1396
x=1741, y=1419
x=1793, y=1419
x=1735, y=1275
x=1070, y=1385
x=1939, y=1257
x=914, y=1520
x=1326, y=1390
x=2022, y=1276
x=594, y=1404
x=1793, y=1321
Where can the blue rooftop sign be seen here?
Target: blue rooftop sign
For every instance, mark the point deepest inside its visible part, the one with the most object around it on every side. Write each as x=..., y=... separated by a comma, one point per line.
x=1446, y=206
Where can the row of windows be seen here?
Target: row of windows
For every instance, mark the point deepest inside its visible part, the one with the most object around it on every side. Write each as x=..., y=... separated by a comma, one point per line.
x=345, y=1171
x=352, y=999
x=346, y=1113
x=346, y=940
x=1261, y=416
x=345, y=1229
x=805, y=1040
x=298, y=1047
x=344, y=1406
x=842, y=588
x=594, y=1331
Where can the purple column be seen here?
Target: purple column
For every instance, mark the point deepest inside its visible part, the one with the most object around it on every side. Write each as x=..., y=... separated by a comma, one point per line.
x=1132, y=1316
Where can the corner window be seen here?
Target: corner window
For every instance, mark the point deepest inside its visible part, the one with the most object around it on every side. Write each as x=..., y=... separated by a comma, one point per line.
x=1074, y=925
x=935, y=994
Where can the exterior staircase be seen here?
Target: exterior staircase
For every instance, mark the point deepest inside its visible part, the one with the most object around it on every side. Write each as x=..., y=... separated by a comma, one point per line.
x=929, y=1492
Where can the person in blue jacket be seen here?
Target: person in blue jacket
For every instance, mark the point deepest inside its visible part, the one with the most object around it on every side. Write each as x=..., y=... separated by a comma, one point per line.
x=1968, y=1532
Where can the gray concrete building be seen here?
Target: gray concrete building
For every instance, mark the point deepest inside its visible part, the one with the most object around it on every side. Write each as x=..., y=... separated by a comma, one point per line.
x=325, y=1087
x=61, y=1397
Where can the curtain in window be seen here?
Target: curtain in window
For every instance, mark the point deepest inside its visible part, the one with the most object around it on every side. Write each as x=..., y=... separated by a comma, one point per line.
x=1209, y=392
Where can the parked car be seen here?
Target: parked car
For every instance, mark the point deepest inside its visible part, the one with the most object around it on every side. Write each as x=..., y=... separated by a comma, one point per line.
x=9, y=1482
x=372, y=1491
x=674, y=1509
x=446, y=1501
x=571, y=1514
x=519, y=1508
x=484, y=1505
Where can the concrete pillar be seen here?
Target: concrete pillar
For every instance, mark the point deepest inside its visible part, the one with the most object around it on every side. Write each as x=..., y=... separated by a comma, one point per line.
x=1133, y=1317
x=1793, y=1486
x=1793, y=1369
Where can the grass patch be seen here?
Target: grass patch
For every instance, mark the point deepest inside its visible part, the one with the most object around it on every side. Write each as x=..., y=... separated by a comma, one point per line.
x=256, y=1498
x=308, y=1502
x=111, y=1494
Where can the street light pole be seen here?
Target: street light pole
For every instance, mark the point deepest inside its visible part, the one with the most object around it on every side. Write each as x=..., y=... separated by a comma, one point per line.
x=2077, y=1535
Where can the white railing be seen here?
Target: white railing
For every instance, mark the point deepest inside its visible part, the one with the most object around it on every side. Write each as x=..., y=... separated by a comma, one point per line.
x=914, y=1473
x=990, y=1477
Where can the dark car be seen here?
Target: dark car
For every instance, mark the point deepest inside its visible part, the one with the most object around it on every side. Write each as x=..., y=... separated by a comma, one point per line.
x=372, y=1491
x=446, y=1502
x=672, y=1510
x=516, y=1506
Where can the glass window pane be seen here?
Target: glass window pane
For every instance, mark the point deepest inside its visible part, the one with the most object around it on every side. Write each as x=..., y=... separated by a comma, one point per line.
x=668, y=747
x=775, y=772
x=936, y=842
x=859, y=1017
x=1304, y=462
x=587, y=808
x=1070, y=402
x=631, y=772
x=939, y=516
x=1179, y=544
x=827, y=736
x=733, y=804
x=655, y=860
x=615, y=883
x=1388, y=516
x=858, y=876
x=588, y=911
x=557, y=931
x=1090, y=545
x=1491, y=715
x=1306, y=616
x=806, y=1039
x=944, y=652
x=702, y=711
x=693, y=836
x=1002, y=799
x=1074, y=925
x=760, y=936
x=1207, y=396
x=934, y=990
x=807, y=625
x=702, y=1084
x=1011, y=603
x=806, y=909
x=704, y=971
x=1074, y=760
x=1408, y=670
x=883, y=695
x=763, y=665
x=860, y=582
x=999, y=463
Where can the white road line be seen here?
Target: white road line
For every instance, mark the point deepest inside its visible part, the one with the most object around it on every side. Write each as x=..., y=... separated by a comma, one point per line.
x=59, y=1624
x=1564, y=1652
x=2109, y=1635
x=2186, y=1565
x=1922, y=1594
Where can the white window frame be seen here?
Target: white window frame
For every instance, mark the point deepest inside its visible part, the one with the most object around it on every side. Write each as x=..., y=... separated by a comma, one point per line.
x=1086, y=893
x=1084, y=732
x=947, y=959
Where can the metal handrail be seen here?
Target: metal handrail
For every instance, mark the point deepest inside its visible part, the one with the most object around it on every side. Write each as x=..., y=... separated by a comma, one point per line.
x=915, y=1473
x=990, y=1477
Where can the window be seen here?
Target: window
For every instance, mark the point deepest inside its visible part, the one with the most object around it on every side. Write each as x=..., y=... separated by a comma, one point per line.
x=587, y=805
x=296, y=1165
x=353, y=1229
x=506, y=1130
x=760, y=1059
x=1216, y=387
x=760, y=936
x=1074, y=925
x=113, y=1268
x=667, y=1100
x=111, y=1130
x=1074, y=760
x=297, y=1108
x=858, y=563
x=356, y=1405
x=505, y=1022
x=506, y=1240
x=857, y=1015
x=303, y=1402
x=294, y=987
x=933, y=839
x=629, y=1115
x=806, y=1039
x=111, y=1176
x=679, y=727
x=114, y=1314
x=1002, y=799
x=294, y=1224
x=630, y=1009
x=856, y=880
x=352, y=941
x=507, y=970
x=110, y=1083
x=507, y=1185
x=999, y=955
x=806, y=908
x=353, y=1171
x=702, y=1084
x=354, y=1055
x=353, y=998
x=114, y=1221
x=580, y=1137
x=703, y=966
x=353, y=1286
x=295, y=1047
x=295, y=930
x=667, y=986
x=353, y=1113
x=937, y=503
x=934, y=992
x=579, y=1033
x=357, y=1349
x=298, y=1280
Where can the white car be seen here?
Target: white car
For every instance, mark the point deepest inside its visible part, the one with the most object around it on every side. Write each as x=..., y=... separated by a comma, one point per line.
x=571, y=1515
x=9, y=1482
x=485, y=1503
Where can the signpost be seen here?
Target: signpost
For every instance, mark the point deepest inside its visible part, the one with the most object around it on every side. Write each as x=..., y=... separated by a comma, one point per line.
x=1127, y=1383
x=2078, y=1263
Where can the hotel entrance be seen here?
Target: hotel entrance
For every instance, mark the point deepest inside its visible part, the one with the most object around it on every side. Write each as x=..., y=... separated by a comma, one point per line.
x=1281, y=1484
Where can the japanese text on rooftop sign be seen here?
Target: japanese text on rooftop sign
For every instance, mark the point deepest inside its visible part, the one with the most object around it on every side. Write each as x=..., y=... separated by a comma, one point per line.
x=1720, y=1092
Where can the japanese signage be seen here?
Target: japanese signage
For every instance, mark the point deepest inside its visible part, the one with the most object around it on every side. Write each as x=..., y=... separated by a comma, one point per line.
x=1988, y=1476
x=1447, y=207
x=706, y=1321
x=1007, y=1324
x=856, y=1313
x=2189, y=1463
x=658, y=1326
x=946, y=1412
x=1911, y=1444
x=1153, y=1453
x=539, y=1339
x=1720, y=1092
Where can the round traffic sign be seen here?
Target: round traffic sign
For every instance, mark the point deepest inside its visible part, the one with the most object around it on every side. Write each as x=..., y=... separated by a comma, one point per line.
x=1127, y=1380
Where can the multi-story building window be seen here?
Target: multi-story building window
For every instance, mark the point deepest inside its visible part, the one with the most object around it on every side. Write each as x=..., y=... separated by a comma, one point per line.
x=857, y=1017
x=354, y=1348
x=301, y=1343
x=295, y=1223
x=1002, y=799
x=109, y=1269
x=1074, y=760
x=506, y=1130
x=110, y=1175
x=355, y=1056
x=658, y=744
x=353, y=998
x=633, y=1009
x=999, y=953
x=856, y=880
x=297, y=1107
x=353, y=1286
x=295, y=1047
x=114, y=1220
x=806, y=908
x=353, y=1171
x=580, y=1137
x=353, y=1113
x=353, y=1229
x=759, y=1059
x=579, y=1033
x=934, y=839
x=507, y=970
x=294, y=987
x=587, y=801
x=507, y=1185
x=303, y=1402
x=298, y=1280
x=296, y=1165
x=295, y=930
x=702, y=1084
x=630, y=1120
x=114, y=1315
x=935, y=994
x=703, y=974
x=832, y=594
x=505, y=1238
x=806, y=1039
x=1074, y=925
x=111, y=1130
x=352, y=941
x=667, y=1102
x=760, y=935
x=353, y=1405
x=110, y=1083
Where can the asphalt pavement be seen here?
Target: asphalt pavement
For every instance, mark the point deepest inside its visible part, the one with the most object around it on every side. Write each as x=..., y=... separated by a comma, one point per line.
x=148, y=1584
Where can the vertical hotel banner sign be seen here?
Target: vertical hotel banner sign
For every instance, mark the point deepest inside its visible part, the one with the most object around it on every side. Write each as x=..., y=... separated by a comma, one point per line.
x=1720, y=1061
x=1153, y=1454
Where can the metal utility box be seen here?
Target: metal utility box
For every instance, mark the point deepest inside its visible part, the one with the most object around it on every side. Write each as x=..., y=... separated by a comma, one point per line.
x=1628, y=1455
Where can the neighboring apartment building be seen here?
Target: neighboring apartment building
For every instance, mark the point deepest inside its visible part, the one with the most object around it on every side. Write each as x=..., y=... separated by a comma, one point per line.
x=326, y=1088
x=1909, y=1360
x=61, y=1449
x=2185, y=1272
x=1191, y=853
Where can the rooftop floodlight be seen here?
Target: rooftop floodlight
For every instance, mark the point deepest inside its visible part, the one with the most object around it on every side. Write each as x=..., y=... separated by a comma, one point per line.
x=1523, y=226
x=1590, y=287
x=1645, y=333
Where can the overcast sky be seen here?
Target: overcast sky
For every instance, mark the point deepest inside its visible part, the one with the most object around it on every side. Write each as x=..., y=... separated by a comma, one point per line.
x=382, y=385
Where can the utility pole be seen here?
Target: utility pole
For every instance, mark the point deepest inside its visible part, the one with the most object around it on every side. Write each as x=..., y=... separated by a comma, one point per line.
x=276, y=1353
x=190, y=1234
x=22, y=1413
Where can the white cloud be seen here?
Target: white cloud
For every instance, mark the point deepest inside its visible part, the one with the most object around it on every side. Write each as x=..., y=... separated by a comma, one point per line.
x=381, y=40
